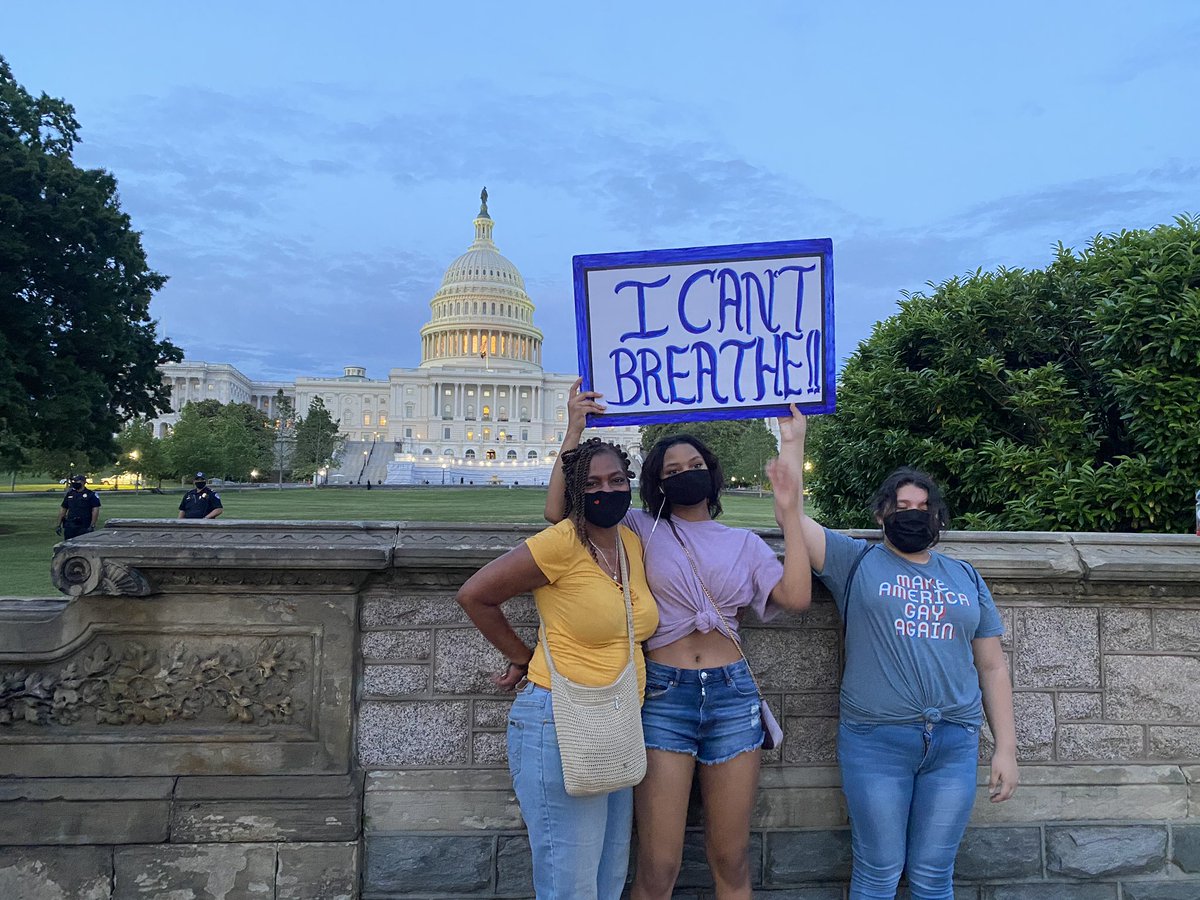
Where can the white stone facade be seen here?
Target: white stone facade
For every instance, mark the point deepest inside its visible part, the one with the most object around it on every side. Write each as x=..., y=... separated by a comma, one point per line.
x=479, y=396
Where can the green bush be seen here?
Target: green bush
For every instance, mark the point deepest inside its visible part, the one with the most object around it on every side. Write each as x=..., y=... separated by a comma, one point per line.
x=1064, y=399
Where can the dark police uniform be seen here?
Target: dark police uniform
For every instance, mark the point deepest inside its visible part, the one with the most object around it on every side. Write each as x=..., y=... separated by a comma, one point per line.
x=79, y=505
x=199, y=502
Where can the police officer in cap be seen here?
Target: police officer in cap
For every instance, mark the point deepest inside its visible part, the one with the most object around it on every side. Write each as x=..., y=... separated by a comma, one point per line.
x=80, y=509
x=200, y=503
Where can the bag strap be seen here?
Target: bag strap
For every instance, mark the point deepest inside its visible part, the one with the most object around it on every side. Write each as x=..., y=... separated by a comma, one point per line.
x=725, y=629
x=623, y=562
x=846, y=593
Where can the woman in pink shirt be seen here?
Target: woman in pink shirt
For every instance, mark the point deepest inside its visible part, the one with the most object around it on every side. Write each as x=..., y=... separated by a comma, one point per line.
x=701, y=703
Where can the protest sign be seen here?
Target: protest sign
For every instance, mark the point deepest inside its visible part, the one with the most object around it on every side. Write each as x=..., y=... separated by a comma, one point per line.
x=731, y=332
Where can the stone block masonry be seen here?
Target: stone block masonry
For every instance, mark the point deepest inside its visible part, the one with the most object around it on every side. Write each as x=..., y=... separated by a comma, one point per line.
x=300, y=710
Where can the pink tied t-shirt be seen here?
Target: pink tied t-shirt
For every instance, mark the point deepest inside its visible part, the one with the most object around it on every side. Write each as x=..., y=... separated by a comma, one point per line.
x=738, y=567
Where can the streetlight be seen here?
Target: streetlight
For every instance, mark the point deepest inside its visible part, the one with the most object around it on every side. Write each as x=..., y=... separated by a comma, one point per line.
x=443, y=473
x=137, y=479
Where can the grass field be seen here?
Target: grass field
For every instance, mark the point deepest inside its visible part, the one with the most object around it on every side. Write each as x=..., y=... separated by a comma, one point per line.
x=27, y=535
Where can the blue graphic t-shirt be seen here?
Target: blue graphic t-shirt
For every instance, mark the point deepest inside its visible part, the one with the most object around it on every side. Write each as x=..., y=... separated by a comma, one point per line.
x=909, y=628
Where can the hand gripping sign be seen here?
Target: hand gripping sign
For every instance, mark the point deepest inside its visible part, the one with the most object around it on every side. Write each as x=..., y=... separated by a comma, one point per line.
x=732, y=332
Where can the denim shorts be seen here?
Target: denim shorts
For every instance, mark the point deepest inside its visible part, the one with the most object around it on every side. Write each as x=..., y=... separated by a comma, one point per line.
x=713, y=714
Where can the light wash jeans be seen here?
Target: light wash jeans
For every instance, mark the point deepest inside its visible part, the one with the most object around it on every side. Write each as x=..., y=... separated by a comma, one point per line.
x=909, y=790
x=580, y=844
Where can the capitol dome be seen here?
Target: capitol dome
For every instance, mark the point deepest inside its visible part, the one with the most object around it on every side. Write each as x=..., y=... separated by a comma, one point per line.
x=481, y=315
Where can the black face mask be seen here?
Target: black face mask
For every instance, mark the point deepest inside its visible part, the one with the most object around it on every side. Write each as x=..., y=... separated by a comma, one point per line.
x=200, y=485
x=605, y=509
x=76, y=486
x=910, y=530
x=688, y=488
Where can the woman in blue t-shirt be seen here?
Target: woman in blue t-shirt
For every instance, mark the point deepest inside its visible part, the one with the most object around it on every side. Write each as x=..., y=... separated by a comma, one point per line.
x=923, y=665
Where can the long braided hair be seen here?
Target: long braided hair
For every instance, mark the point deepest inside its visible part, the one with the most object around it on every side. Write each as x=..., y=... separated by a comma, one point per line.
x=575, y=467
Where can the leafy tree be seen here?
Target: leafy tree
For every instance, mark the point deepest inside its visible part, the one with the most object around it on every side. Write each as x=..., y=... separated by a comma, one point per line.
x=1058, y=399
x=318, y=441
x=285, y=424
x=192, y=445
x=742, y=445
x=56, y=463
x=246, y=440
x=142, y=453
x=221, y=440
x=756, y=446
x=78, y=351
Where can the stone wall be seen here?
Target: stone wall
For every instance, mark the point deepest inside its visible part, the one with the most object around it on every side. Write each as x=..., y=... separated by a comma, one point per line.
x=301, y=710
x=182, y=727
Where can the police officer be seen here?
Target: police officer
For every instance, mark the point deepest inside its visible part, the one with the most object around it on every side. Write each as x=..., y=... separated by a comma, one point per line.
x=200, y=503
x=80, y=509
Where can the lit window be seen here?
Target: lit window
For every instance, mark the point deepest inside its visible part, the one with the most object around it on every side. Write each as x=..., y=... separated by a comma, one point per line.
x=382, y=419
x=366, y=418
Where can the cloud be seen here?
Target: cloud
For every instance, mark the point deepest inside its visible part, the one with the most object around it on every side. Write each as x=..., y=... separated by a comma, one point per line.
x=1068, y=206
x=302, y=229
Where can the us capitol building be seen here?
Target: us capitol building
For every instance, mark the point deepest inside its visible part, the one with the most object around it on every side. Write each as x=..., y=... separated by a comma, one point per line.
x=478, y=410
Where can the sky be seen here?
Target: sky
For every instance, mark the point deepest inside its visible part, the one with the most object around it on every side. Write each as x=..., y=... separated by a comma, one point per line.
x=304, y=172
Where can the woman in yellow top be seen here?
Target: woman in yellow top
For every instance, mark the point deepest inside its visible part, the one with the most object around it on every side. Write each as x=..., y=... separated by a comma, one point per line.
x=580, y=844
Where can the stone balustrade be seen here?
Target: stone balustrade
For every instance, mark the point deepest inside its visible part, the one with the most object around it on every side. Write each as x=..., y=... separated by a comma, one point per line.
x=300, y=710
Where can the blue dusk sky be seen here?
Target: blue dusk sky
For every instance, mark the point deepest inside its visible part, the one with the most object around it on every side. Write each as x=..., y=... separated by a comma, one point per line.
x=304, y=172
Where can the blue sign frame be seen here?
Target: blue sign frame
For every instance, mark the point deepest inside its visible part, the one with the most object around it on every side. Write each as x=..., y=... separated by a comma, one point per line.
x=591, y=318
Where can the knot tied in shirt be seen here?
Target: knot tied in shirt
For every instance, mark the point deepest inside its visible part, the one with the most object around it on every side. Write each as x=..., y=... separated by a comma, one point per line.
x=707, y=620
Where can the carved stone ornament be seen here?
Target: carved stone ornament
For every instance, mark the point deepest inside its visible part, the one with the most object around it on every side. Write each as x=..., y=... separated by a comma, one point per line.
x=134, y=685
x=80, y=575
x=325, y=579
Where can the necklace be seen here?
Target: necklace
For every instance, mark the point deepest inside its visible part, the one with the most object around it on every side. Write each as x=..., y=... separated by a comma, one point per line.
x=609, y=569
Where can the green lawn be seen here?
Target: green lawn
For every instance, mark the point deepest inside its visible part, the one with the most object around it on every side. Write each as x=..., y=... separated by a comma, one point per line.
x=27, y=522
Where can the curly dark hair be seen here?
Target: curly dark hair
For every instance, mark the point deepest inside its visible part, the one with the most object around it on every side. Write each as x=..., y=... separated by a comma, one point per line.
x=575, y=467
x=651, y=492
x=884, y=501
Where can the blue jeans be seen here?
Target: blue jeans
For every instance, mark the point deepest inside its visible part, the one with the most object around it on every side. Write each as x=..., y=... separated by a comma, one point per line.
x=712, y=714
x=909, y=790
x=580, y=844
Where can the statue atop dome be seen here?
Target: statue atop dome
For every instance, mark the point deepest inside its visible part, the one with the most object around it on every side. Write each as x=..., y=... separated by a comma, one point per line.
x=483, y=213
